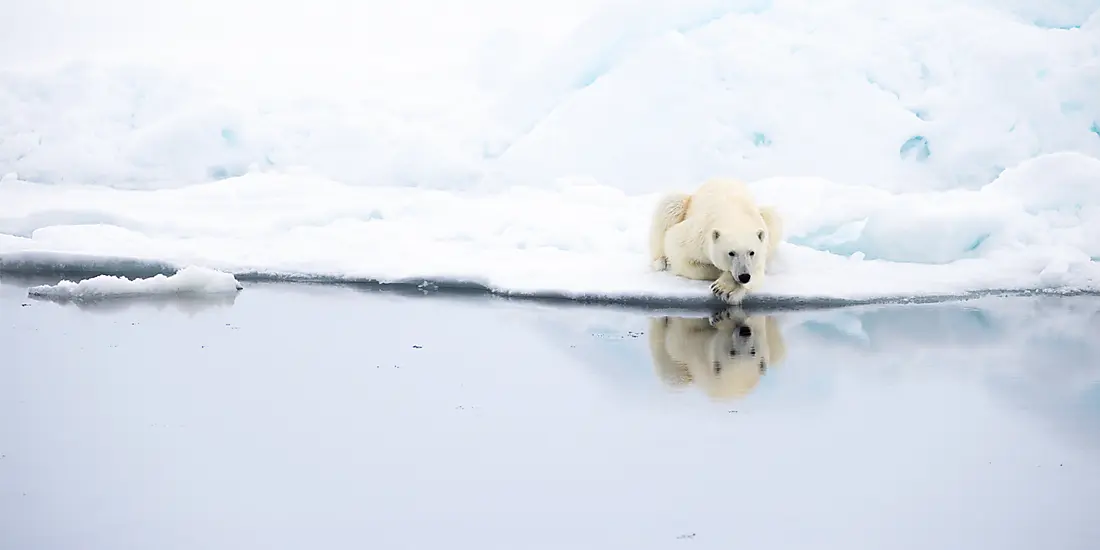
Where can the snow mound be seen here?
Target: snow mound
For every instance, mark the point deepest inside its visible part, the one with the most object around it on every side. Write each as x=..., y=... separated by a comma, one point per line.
x=896, y=95
x=133, y=126
x=645, y=94
x=189, y=280
x=578, y=239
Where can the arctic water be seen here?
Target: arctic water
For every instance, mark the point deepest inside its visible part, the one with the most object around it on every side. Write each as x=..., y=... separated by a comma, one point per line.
x=304, y=416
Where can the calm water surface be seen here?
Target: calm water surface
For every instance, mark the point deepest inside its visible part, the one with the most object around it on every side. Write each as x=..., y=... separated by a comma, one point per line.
x=325, y=417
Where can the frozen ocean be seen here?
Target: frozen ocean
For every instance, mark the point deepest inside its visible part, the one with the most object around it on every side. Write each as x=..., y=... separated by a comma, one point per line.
x=374, y=274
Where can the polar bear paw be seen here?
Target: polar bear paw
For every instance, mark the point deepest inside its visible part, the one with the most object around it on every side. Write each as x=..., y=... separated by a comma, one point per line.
x=726, y=289
x=660, y=264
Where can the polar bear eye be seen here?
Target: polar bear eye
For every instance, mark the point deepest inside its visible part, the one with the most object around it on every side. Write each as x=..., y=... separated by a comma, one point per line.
x=732, y=253
x=752, y=253
x=715, y=234
x=752, y=352
x=760, y=235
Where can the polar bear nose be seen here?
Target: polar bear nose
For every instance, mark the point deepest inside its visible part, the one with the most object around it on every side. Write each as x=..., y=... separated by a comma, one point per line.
x=744, y=332
x=744, y=278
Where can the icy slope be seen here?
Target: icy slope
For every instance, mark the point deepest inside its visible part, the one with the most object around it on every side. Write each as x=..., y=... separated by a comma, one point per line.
x=896, y=95
x=642, y=96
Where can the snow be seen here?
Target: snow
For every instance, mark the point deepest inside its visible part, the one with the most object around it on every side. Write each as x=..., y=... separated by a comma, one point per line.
x=189, y=280
x=896, y=95
x=578, y=239
x=915, y=149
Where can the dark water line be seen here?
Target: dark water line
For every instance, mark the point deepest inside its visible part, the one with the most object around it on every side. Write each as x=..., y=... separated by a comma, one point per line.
x=31, y=268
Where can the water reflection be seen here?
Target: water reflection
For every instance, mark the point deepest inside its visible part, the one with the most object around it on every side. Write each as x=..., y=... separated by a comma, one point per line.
x=1038, y=356
x=13, y=287
x=959, y=425
x=184, y=303
x=724, y=355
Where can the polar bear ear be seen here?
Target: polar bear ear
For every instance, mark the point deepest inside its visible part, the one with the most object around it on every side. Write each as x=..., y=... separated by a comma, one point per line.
x=715, y=234
x=760, y=235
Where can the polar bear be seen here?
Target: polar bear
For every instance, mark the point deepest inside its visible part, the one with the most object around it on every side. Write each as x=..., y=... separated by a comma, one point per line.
x=717, y=233
x=726, y=355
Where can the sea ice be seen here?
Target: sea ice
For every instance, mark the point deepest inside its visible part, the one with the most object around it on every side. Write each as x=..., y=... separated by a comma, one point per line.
x=189, y=280
x=578, y=239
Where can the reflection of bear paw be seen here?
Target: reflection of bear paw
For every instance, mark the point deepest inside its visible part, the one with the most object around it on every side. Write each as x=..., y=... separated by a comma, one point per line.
x=660, y=264
x=732, y=313
x=717, y=318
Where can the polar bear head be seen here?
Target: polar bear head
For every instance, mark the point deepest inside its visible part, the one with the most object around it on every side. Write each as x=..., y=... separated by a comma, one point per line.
x=739, y=248
x=741, y=350
x=725, y=356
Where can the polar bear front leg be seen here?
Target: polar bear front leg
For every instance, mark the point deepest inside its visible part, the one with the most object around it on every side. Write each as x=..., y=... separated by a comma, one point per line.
x=727, y=289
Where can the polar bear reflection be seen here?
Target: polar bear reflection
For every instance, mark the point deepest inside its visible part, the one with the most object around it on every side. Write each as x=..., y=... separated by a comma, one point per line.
x=725, y=354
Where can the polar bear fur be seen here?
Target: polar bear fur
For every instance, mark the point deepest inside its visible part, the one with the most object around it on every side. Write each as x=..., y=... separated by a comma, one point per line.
x=717, y=233
x=725, y=355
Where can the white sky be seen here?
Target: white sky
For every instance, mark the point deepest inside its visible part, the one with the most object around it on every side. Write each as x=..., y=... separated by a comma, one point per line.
x=424, y=33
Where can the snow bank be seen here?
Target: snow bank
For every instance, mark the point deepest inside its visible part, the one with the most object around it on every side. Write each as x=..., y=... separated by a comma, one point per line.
x=131, y=94
x=578, y=239
x=189, y=280
x=897, y=95
x=645, y=94
x=128, y=126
